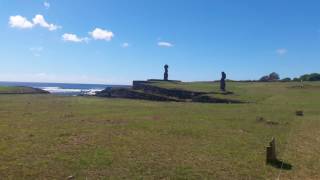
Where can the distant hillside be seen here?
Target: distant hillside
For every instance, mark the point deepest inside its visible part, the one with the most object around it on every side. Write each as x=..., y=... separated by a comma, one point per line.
x=21, y=90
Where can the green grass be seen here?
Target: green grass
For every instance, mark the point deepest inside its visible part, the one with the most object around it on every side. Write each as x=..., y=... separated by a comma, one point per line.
x=52, y=137
x=10, y=88
x=17, y=90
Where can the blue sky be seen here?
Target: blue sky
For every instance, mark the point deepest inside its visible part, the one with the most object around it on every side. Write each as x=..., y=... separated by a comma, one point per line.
x=117, y=41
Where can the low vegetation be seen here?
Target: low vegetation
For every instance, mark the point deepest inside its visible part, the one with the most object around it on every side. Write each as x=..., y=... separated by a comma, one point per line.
x=54, y=137
x=21, y=90
x=310, y=77
x=275, y=77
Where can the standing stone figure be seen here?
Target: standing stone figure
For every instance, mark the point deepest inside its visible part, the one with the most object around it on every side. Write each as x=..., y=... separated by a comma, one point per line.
x=271, y=152
x=165, y=77
x=223, y=82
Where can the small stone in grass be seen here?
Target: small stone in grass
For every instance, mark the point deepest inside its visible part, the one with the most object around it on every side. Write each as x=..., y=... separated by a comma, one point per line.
x=260, y=119
x=299, y=113
x=70, y=177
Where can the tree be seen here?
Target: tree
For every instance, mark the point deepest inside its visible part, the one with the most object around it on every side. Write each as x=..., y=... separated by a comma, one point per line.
x=286, y=79
x=274, y=77
x=271, y=77
x=310, y=77
x=296, y=79
x=264, y=79
x=314, y=77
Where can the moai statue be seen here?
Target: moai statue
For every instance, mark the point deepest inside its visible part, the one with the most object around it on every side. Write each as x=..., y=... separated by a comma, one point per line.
x=165, y=77
x=223, y=82
x=271, y=152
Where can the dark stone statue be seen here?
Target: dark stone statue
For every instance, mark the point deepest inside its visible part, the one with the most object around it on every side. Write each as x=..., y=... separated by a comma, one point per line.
x=223, y=82
x=165, y=77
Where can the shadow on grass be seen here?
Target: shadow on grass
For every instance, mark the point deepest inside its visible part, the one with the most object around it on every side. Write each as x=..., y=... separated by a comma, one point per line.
x=280, y=165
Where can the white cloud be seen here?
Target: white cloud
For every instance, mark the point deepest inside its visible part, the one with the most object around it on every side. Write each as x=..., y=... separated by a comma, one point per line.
x=46, y=4
x=20, y=22
x=165, y=44
x=100, y=34
x=23, y=23
x=73, y=38
x=281, y=51
x=39, y=20
x=125, y=45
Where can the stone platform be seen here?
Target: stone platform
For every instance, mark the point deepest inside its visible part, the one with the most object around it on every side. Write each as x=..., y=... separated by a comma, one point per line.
x=139, y=83
x=147, y=90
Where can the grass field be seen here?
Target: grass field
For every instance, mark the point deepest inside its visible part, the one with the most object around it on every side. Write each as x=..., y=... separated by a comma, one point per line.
x=19, y=90
x=52, y=137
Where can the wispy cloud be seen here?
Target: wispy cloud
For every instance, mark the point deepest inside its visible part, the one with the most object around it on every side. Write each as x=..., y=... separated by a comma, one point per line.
x=281, y=51
x=73, y=38
x=36, y=51
x=165, y=44
x=20, y=22
x=46, y=4
x=101, y=34
x=125, y=45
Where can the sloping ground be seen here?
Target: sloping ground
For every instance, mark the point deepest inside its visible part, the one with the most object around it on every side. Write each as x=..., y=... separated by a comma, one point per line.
x=172, y=91
x=243, y=91
x=21, y=90
x=134, y=94
x=208, y=92
x=52, y=137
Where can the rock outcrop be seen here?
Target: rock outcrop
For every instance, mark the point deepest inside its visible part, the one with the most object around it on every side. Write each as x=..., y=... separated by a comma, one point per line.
x=133, y=94
x=146, y=90
x=178, y=93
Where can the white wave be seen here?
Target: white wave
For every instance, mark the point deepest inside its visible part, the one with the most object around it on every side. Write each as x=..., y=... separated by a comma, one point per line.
x=60, y=90
x=78, y=91
x=91, y=91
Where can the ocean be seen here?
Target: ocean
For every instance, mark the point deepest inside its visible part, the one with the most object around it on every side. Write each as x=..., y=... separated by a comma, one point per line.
x=66, y=89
